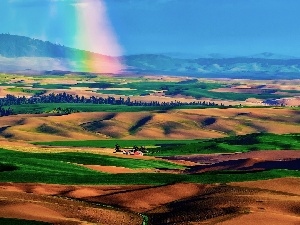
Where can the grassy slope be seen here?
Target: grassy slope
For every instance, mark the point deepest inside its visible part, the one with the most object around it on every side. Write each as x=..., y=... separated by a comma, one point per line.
x=242, y=143
x=59, y=167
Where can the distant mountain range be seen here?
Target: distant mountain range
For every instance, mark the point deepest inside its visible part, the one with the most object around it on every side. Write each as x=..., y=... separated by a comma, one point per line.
x=237, y=67
x=263, y=55
x=25, y=54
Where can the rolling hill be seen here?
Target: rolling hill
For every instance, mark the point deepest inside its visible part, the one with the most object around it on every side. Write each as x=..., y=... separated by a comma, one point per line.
x=172, y=124
x=26, y=55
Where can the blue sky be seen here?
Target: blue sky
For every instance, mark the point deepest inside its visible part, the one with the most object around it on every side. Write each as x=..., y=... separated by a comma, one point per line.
x=232, y=27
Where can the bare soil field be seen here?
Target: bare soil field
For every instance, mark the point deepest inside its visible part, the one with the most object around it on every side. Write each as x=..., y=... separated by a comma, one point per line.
x=288, y=185
x=39, y=202
x=271, y=202
x=247, y=162
x=118, y=169
x=242, y=86
x=293, y=101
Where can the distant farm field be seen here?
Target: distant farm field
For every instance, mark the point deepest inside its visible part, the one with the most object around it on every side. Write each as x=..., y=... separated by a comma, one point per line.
x=149, y=87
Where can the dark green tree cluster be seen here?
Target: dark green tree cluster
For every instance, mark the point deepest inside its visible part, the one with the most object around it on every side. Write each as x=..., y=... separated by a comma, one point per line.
x=67, y=98
x=6, y=112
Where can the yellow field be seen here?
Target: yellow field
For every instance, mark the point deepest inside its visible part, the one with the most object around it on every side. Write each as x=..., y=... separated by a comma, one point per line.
x=173, y=124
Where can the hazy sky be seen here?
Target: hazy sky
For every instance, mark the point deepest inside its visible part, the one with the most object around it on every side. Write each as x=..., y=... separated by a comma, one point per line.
x=234, y=27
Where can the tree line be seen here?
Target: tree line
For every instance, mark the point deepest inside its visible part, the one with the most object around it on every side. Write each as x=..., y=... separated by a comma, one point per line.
x=10, y=100
x=68, y=98
x=6, y=112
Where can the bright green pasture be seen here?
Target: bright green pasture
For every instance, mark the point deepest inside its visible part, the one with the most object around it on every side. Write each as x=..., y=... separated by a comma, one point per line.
x=242, y=143
x=62, y=168
x=204, y=93
x=104, y=160
x=26, y=90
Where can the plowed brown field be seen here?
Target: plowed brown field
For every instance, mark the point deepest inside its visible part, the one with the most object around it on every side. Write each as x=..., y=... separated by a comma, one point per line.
x=269, y=202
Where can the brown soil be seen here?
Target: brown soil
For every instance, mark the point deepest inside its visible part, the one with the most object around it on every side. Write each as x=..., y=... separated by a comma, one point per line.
x=230, y=205
x=39, y=202
x=248, y=165
x=250, y=161
x=288, y=185
x=150, y=198
x=268, y=202
x=267, y=155
x=117, y=169
x=293, y=101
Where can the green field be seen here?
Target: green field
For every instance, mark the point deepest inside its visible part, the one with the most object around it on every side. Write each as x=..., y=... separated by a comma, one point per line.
x=51, y=86
x=242, y=143
x=61, y=168
x=111, y=143
x=137, y=86
x=26, y=90
x=196, y=93
x=64, y=168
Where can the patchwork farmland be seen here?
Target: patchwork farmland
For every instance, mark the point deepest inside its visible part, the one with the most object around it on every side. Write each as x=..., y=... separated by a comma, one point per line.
x=201, y=149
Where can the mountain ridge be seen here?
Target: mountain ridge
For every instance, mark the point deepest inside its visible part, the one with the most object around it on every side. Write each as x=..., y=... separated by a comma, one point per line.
x=19, y=53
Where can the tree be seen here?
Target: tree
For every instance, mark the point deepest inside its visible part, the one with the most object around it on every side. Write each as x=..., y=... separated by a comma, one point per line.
x=117, y=148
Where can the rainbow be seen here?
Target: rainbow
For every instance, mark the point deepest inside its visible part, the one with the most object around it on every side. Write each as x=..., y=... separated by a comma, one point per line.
x=94, y=34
